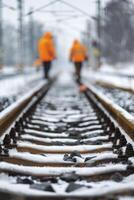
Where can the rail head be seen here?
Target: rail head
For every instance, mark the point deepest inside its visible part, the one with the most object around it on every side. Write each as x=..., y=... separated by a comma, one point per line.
x=114, y=86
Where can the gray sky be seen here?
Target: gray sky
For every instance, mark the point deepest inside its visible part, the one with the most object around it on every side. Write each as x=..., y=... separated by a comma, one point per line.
x=67, y=29
x=88, y=6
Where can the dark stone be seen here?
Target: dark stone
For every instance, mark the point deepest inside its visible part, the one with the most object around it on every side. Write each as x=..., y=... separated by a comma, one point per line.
x=61, y=129
x=123, y=141
x=130, y=169
x=98, y=142
x=107, y=119
x=18, y=127
x=66, y=157
x=117, y=133
x=69, y=177
x=44, y=186
x=7, y=140
x=119, y=152
x=24, y=180
x=129, y=151
x=49, y=179
x=73, y=186
x=74, y=159
x=25, y=115
x=73, y=124
x=89, y=158
x=75, y=107
x=12, y=133
x=58, y=143
x=21, y=121
x=117, y=137
x=0, y=149
x=73, y=134
x=112, y=127
x=42, y=154
x=112, y=137
x=127, y=162
x=117, y=177
x=6, y=151
x=14, y=141
x=75, y=153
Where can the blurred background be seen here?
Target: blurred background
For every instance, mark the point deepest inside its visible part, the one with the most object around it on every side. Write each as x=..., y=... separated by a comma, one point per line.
x=106, y=27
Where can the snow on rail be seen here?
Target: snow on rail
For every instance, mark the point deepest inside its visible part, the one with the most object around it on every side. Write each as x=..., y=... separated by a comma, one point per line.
x=4, y=114
x=121, y=113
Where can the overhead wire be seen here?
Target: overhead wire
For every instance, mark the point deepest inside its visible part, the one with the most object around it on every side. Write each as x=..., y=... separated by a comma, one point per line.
x=42, y=7
x=75, y=8
x=9, y=7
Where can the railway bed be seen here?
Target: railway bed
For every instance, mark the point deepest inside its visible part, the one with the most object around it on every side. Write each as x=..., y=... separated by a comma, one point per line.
x=124, y=99
x=66, y=145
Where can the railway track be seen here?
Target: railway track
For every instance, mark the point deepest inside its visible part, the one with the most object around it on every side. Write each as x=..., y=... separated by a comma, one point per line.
x=125, y=99
x=65, y=145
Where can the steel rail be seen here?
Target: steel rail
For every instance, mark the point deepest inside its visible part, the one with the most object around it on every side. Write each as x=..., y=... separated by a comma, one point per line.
x=54, y=130
x=8, y=115
x=125, y=120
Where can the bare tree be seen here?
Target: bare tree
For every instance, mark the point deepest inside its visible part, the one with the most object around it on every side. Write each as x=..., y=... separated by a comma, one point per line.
x=118, y=31
x=30, y=43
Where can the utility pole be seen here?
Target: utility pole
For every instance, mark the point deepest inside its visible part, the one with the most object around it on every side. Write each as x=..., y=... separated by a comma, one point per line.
x=99, y=20
x=1, y=36
x=31, y=37
x=20, y=34
x=99, y=29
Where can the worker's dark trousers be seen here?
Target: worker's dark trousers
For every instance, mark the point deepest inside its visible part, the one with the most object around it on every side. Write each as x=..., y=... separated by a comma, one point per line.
x=78, y=67
x=46, y=67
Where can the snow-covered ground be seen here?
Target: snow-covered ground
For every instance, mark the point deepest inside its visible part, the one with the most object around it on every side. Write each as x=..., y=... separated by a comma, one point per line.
x=123, y=69
x=117, y=76
x=56, y=110
x=13, y=87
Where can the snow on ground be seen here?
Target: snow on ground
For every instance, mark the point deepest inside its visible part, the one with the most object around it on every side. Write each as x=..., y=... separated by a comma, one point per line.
x=89, y=188
x=11, y=70
x=118, y=76
x=124, y=69
x=13, y=86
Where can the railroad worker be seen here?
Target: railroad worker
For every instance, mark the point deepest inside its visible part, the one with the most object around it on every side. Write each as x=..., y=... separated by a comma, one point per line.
x=47, y=52
x=78, y=54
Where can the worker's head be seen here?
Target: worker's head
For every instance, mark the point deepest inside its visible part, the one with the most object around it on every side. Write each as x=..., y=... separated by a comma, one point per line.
x=48, y=35
x=76, y=41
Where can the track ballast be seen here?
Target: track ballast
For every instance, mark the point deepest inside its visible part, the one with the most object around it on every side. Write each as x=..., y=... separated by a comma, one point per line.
x=66, y=145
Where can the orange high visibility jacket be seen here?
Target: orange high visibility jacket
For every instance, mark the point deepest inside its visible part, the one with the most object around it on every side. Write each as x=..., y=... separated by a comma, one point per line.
x=46, y=48
x=78, y=52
